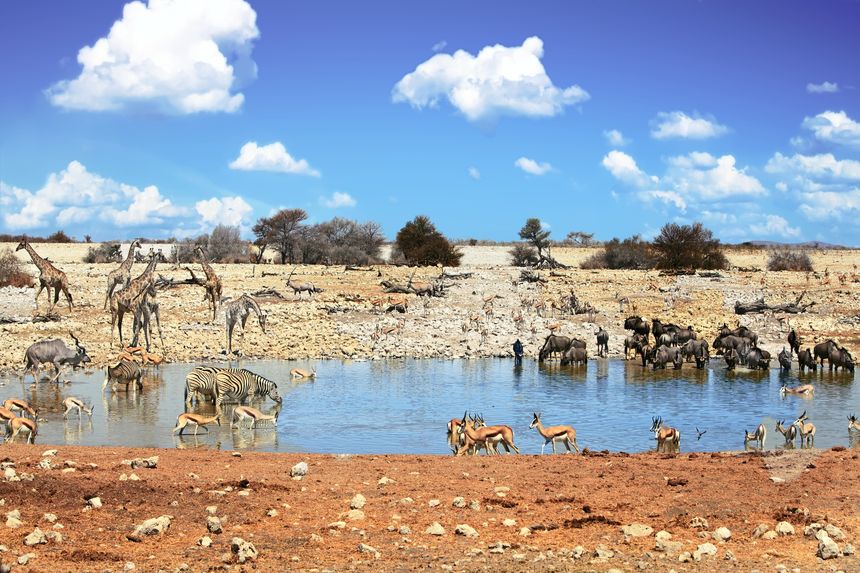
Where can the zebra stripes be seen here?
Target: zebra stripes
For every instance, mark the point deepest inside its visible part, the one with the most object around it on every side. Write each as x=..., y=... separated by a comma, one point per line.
x=124, y=371
x=240, y=385
x=200, y=382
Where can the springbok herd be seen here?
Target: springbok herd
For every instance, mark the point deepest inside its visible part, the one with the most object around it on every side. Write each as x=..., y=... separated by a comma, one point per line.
x=467, y=435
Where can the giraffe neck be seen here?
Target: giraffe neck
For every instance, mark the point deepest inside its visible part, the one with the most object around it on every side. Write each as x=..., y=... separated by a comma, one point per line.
x=129, y=259
x=37, y=260
x=138, y=285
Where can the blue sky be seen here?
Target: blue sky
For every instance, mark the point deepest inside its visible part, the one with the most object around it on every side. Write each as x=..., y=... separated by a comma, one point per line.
x=166, y=118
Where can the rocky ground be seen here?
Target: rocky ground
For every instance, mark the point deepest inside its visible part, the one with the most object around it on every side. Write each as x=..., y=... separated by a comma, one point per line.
x=341, y=321
x=103, y=509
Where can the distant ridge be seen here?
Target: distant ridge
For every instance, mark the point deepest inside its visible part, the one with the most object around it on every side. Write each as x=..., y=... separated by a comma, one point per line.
x=804, y=245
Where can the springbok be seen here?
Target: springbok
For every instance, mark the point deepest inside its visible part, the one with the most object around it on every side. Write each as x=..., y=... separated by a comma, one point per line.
x=299, y=373
x=804, y=390
x=665, y=435
x=853, y=424
x=251, y=414
x=17, y=405
x=789, y=433
x=552, y=434
x=806, y=429
x=758, y=436
x=481, y=435
x=72, y=403
x=187, y=418
x=17, y=424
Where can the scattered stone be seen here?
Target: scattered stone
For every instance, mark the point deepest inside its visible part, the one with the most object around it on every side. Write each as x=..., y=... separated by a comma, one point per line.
x=365, y=548
x=722, y=534
x=150, y=463
x=475, y=505
x=834, y=532
x=25, y=558
x=129, y=566
x=13, y=519
x=784, y=528
x=827, y=548
x=704, y=550
x=603, y=553
x=509, y=522
x=405, y=530
x=699, y=523
x=299, y=470
x=154, y=526
x=336, y=525
x=407, y=500
x=760, y=530
x=315, y=538
x=94, y=502
x=358, y=501
x=355, y=515
x=434, y=503
x=729, y=556
x=213, y=524
x=578, y=552
x=811, y=529
x=685, y=557
x=385, y=480
x=465, y=530
x=435, y=529
x=35, y=538
x=459, y=502
x=637, y=530
x=211, y=509
x=49, y=453
x=776, y=479
x=244, y=550
x=44, y=464
x=848, y=549
x=769, y=535
x=204, y=541
x=525, y=531
x=54, y=536
x=50, y=517
x=272, y=513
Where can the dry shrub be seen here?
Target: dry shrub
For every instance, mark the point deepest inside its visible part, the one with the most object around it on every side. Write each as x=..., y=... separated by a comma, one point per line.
x=788, y=260
x=688, y=247
x=523, y=255
x=631, y=253
x=11, y=273
x=104, y=253
x=422, y=244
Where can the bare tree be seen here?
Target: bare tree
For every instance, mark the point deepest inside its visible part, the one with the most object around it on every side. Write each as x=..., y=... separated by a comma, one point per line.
x=282, y=232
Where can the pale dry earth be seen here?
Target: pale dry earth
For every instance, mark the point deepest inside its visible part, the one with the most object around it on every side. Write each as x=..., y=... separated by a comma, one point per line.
x=340, y=321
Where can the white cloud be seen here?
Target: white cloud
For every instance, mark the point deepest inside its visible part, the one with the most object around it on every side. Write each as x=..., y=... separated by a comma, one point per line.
x=338, y=199
x=271, y=157
x=232, y=211
x=830, y=206
x=774, y=225
x=834, y=127
x=623, y=167
x=500, y=80
x=533, y=167
x=823, y=165
x=615, y=138
x=677, y=124
x=474, y=173
x=666, y=197
x=822, y=88
x=175, y=56
x=439, y=46
x=147, y=207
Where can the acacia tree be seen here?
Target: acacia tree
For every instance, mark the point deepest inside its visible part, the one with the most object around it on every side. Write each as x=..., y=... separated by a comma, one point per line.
x=536, y=235
x=281, y=231
x=688, y=247
x=580, y=238
x=422, y=244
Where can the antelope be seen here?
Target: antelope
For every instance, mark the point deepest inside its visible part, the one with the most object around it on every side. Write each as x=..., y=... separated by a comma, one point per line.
x=72, y=403
x=804, y=390
x=758, y=436
x=17, y=424
x=481, y=435
x=664, y=434
x=14, y=404
x=853, y=424
x=789, y=433
x=6, y=415
x=252, y=414
x=299, y=373
x=552, y=434
x=806, y=429
x=186, y=418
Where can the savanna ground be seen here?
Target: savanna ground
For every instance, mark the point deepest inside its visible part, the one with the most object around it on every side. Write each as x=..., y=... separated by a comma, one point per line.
x=563, y=501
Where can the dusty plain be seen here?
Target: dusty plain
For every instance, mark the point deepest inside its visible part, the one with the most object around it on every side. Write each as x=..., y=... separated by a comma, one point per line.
x=530, y=513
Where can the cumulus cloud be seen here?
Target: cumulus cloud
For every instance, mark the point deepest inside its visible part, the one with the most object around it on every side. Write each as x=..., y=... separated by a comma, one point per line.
x=232, y=211
x=615, y=138
x=829, y=206
x=500, y=80
x=822, y=88
x=677, y=124
x=834, y=127
x=774, y=226
x=823, y=165
x=623, y=167
x=666, y=197
x=474, y=173
x=337, y=200
x=147, y=207
x=533, y=167
x=439, y=46
x=178, y=57
x=271, y=157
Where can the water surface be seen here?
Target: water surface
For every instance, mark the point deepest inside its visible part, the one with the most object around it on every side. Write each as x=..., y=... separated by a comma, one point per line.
x=403, y=406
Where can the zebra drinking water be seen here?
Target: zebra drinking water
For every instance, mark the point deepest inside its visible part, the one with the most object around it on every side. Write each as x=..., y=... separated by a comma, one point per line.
x=241, y=385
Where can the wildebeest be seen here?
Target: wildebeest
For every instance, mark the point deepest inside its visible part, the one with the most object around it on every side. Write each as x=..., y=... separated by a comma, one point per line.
x=741, y=331
x=602, y=342
x=822, y=351
x=682, y=335
x=637, y=325
x=659, y=329
x=793, y=342
x=560, y=344
x=647, y=352
x=666, y=339
x=575, y=356
x=698, y=350
x=664, y=355
x=723, y=343
x=784, y=360
x=54, y=351
x=841, y=358
x=633, y=342
x=806, y=360
x=731, y=357
x=758, y=359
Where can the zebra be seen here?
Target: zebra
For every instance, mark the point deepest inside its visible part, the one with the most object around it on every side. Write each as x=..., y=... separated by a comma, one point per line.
x=200, y=382
x=125, y=371
x=242, y=385
x=237, y=311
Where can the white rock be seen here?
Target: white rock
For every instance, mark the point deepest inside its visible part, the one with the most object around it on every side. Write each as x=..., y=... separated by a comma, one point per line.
x=509, y=522
x=722, y=534
x=298, y=470
x=784, y=528
x=156, y=525
x=35, y=538
x=465, y=530
x=637, y=530
x=358, y=501
x=435, y=528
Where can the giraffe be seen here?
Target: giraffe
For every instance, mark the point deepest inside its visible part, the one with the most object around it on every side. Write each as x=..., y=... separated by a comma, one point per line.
x=122, y=275
x=213, y=283
x=237, y=311
x=127, y=299
x=49, y=276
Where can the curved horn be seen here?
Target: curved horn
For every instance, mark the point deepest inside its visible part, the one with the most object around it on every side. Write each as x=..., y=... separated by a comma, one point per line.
x=75, y=338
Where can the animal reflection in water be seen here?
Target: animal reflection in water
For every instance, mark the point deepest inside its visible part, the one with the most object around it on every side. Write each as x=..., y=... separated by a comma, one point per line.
x=249, y=428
